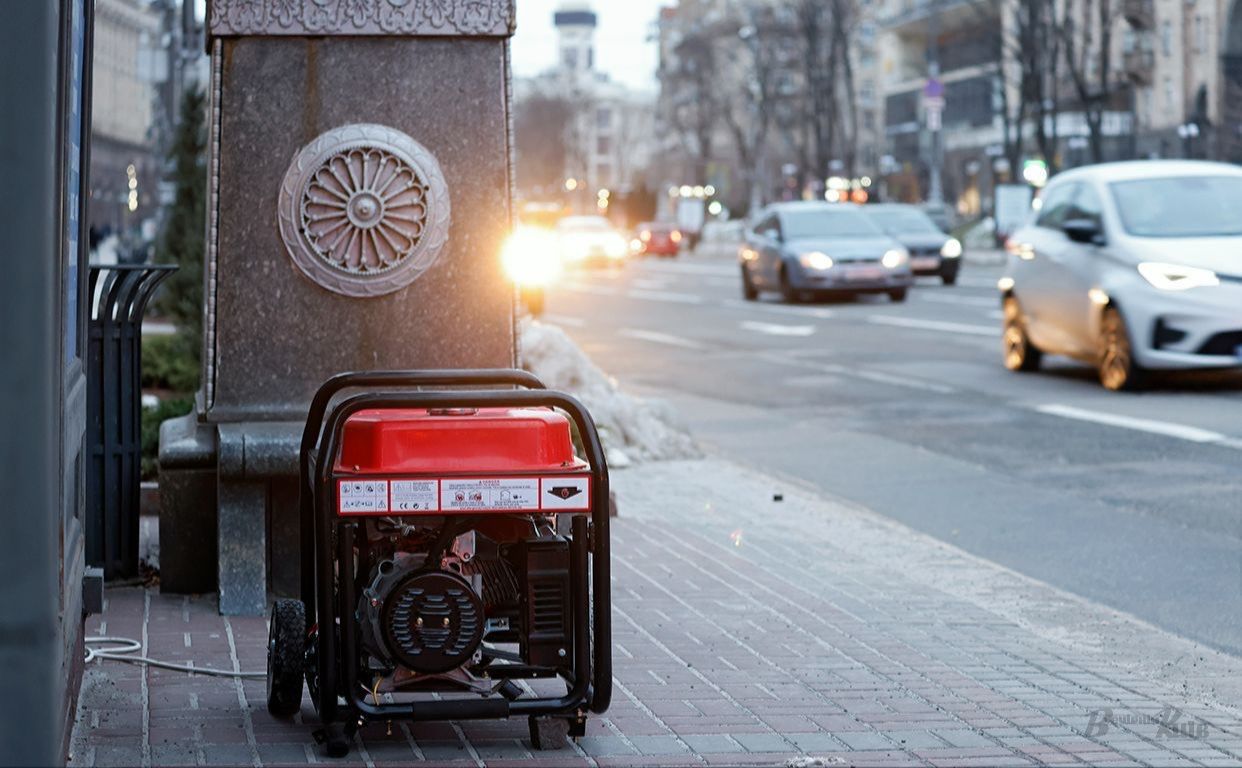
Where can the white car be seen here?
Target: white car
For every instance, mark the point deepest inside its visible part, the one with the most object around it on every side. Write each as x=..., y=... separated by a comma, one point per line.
x=1131, y=266
x=590, y=239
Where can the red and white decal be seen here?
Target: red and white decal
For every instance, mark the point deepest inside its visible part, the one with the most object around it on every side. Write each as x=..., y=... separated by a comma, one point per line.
x=489, y=494
x=363, y=497
x=565, y=494
x=370, y=496
x=415, y=496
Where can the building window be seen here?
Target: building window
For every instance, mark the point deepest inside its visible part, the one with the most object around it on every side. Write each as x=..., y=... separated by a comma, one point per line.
x=1201, y=44
x=1166, y=38
x=1168, y=92
x=603, y=145
x=569, y=57
x=603, y=118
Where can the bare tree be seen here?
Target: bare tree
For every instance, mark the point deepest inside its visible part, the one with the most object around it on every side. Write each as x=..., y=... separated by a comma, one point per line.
x=692, y=84
x=1027, y=50
x=542, y=124
x=1087, y=37
x=825, y=28
x=750, y=109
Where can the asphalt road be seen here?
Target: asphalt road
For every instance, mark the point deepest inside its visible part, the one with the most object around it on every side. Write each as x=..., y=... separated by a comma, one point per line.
x=1131, y=500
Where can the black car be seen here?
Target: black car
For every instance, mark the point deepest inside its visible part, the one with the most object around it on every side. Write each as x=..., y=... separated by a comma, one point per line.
x=932, y=251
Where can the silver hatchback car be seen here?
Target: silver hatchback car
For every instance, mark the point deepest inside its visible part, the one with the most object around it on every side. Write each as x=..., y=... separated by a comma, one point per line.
x=804, y=249
x=1131, y=266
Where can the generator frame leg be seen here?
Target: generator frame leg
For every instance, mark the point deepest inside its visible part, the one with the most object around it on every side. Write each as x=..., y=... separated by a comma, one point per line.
x=337, y=738
x=549, y=733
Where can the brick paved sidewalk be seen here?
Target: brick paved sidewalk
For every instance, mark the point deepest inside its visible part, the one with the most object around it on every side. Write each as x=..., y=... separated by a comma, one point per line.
x=747, y=631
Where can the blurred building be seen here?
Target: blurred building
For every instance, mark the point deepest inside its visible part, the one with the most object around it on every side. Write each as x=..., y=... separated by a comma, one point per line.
x=1169, y=67
x=128, y=68
x=609, y=131
x=734, y=108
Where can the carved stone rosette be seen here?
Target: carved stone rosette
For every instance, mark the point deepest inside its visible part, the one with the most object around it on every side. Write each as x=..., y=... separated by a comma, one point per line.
x=360, y=17
x=364, y=210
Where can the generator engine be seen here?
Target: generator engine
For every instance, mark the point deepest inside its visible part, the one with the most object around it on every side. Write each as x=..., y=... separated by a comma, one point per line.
x=444, y=594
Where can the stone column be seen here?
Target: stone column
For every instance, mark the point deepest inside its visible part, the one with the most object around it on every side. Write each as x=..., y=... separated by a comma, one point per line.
x=360, y=178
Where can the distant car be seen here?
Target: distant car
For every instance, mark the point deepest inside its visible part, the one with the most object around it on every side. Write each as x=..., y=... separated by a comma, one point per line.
x=1131, y=266
x=659, y=239
x=932, y=252
x=590, y=240
x=803, y=249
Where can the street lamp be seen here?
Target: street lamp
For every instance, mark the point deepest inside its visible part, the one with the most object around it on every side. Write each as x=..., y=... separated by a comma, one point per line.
x=1188, y=132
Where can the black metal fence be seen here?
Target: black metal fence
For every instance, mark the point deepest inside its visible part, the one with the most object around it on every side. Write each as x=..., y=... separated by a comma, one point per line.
x=118, y=296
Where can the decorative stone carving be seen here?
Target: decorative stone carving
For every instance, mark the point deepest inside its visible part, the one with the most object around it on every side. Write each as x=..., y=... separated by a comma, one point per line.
x=360, y=17
x=364, y=210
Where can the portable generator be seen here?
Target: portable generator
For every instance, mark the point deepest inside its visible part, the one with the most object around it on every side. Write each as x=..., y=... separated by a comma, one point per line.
x=455, y=558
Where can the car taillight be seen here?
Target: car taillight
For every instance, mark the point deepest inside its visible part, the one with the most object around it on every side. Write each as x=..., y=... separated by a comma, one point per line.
x=646, y=235
x=675, y=237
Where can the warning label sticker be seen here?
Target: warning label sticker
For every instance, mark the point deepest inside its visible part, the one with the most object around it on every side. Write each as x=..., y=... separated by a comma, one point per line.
x=566, y=493
x=363, y=496
x=415, y=495
x=520, y=494
x=464, y=494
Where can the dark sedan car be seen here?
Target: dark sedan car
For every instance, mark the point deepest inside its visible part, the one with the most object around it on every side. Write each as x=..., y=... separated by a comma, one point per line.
x=932, y=252
x=808, y=248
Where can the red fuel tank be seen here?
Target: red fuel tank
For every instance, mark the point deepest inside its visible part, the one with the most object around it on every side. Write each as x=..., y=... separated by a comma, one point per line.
x=419, y=461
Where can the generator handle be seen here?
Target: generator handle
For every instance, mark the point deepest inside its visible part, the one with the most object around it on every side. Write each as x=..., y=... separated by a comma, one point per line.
x=462, y=377
x=594, y=689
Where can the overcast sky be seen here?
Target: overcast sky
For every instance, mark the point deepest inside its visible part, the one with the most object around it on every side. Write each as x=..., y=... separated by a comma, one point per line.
x=622, y=49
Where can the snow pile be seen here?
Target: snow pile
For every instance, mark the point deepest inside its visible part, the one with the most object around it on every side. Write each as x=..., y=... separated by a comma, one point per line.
x=632, y=428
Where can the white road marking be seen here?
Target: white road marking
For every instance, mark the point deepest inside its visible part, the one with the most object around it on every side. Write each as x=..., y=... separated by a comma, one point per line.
x=860, y=373
x=1165, y=428
x=977, y=282
x=598, y=290
x=659, y=338
x=775, y=329
x=572, y=322
x=965, y=301
x=669, y=296
x=934, y=325
x=691, y=268
x=780, y=309
x=650, y=284
x=901, y=381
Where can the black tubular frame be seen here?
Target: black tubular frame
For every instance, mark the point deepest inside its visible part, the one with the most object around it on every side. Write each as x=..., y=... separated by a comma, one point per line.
x=318, y=521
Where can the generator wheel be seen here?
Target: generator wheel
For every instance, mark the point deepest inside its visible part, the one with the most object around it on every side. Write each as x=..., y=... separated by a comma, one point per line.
x=548, y=733
x=286, y=653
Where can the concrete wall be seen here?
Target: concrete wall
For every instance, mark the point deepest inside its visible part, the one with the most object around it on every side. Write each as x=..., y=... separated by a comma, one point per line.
x=42, y=384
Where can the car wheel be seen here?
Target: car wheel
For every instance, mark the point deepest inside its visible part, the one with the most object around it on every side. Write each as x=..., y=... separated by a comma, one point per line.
x=788, y=292
x=1118, y=370
x=532, y=298
x=1020, y=353
x=898, y=295
x=949, y=278
x=749, y=291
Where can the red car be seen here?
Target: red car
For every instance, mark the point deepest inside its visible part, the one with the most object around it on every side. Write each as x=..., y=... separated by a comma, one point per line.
x=659, y=239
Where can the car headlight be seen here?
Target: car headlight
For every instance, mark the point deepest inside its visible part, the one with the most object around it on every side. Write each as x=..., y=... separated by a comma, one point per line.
x=895, y=258
x=816, y=260
x=615, y=247
x=952, y=248
x=531, y=257
x=1174, y=277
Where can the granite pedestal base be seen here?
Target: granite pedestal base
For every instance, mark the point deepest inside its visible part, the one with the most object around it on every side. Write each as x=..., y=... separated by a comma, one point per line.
x=229, y=511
